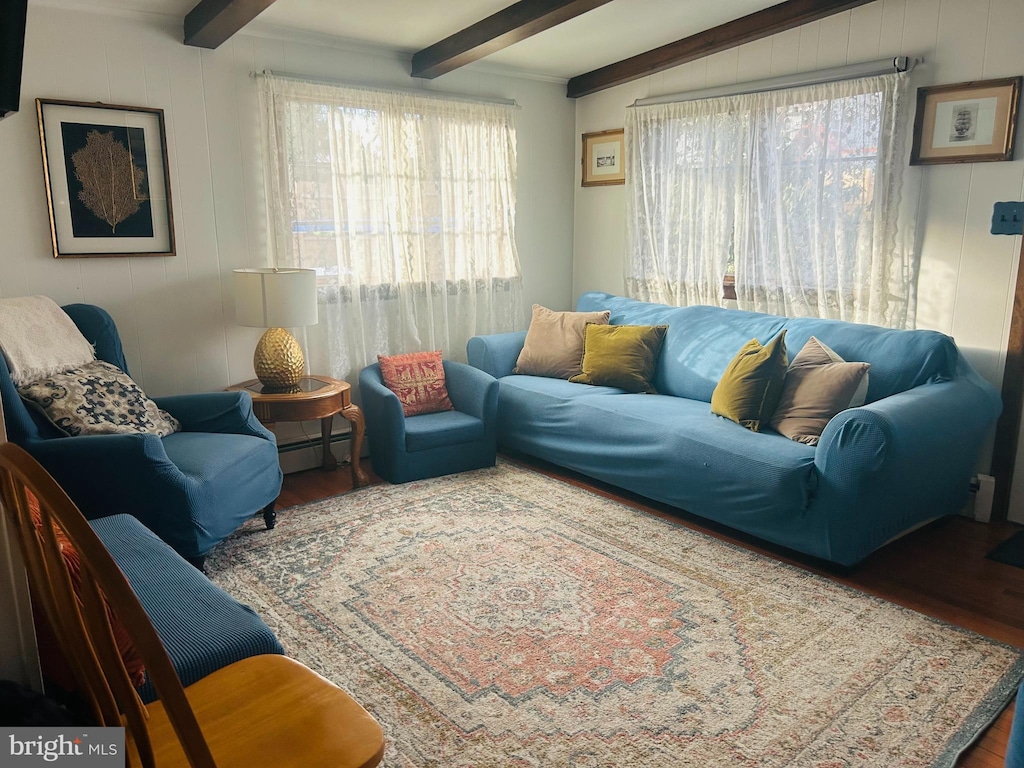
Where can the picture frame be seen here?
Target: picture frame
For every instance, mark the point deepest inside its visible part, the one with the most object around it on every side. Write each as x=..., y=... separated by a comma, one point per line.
x=604, y=158
x=107, y=182
x=971, y=122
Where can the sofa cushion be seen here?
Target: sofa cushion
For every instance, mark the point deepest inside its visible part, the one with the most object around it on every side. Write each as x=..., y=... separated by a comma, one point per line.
x=749, y=389
x=900, y=360
x=622, y=356
x=818, y=385
x=702, y=340
x=202, y=627
x=433, y=430
x=668, y=448
x=554, y=342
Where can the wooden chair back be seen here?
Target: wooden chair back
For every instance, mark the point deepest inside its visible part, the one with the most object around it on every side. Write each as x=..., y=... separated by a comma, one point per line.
x=80, y=619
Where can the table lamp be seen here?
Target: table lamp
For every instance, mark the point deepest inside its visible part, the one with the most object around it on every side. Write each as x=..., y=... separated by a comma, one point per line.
x=275, y=299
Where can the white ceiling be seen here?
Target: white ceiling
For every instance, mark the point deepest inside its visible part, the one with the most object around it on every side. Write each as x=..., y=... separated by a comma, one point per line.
x=607, y=34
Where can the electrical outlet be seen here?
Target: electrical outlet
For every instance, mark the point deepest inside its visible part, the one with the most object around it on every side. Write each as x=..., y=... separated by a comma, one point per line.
x=1008, y=218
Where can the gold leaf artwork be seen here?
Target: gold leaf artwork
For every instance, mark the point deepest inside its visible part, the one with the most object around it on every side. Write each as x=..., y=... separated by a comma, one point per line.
x=110, y=179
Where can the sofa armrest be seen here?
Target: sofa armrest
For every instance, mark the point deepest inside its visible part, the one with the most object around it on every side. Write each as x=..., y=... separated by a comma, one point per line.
x=915, y=449
x=497, y=353
x=104, y=473
x=471, y=390
x=224, y=412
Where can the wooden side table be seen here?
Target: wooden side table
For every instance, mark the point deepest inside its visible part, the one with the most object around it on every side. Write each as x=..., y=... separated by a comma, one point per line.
x=319, y=397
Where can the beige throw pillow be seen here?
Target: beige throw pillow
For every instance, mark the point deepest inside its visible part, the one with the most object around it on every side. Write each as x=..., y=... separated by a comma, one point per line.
x=818, y=385
x=554, y=342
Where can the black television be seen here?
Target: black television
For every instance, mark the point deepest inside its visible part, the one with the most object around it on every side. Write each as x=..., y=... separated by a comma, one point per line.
x=12, y=51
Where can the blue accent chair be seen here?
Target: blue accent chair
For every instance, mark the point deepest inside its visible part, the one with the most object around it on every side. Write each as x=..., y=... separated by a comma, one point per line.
x=415, y=447
x=1015, y=746
x=192, y=488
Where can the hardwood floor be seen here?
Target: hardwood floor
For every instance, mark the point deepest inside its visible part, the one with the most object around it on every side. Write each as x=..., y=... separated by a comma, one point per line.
x=940, y=570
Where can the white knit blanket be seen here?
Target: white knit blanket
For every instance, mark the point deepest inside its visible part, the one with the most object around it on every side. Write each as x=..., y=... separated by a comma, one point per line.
x=39, y=339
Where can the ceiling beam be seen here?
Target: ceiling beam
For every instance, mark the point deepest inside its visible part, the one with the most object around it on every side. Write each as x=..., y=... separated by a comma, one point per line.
x=509, y=25
x=212, y=22
x=770, y=21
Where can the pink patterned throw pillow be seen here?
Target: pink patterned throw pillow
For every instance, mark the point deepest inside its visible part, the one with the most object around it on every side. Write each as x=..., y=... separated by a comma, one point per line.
x=418, y=380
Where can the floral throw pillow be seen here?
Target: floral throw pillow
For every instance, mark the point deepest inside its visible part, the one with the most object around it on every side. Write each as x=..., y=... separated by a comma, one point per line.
x=418, y=380
x=97, y=399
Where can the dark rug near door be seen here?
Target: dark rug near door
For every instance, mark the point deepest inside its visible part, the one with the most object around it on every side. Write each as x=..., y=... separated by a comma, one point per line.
x=1010, y=551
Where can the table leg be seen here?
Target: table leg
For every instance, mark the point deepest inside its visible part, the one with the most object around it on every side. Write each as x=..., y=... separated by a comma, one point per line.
x=354, y=416
x=325, y=442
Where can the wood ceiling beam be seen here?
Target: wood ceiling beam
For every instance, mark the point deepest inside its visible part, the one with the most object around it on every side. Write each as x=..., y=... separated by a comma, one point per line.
x=212, y=22
x=770, y=21
x=509, y=25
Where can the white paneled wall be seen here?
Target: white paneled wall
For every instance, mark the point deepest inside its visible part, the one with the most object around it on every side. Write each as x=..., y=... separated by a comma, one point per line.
x=967, y=275
x=176, y=315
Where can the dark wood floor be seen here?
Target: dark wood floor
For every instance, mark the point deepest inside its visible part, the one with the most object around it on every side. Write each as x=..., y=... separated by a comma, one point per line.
x=940, y=570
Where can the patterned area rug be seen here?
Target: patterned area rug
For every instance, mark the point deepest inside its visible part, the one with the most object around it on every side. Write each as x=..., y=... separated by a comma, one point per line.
x=503, y=618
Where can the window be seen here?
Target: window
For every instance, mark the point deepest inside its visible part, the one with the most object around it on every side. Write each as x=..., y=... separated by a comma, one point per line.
x=405, y=206
x=791, y=198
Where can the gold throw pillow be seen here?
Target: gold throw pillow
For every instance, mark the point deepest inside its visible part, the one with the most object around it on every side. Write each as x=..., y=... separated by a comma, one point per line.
x=622, y=356
x=751, y=385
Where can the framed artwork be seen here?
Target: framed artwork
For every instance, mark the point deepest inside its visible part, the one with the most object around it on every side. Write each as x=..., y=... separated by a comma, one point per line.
x=966, y=122
x=107, y=184
x=604, y=160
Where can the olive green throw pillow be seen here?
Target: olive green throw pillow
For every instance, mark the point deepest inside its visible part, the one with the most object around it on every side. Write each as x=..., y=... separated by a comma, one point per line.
x=749, y=390
x=621, y=356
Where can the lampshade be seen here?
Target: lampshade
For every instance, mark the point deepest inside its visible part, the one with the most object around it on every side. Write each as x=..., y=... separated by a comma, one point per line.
x=267, y=297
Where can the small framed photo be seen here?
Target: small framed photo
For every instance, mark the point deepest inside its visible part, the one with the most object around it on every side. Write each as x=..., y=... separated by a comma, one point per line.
x=604, y=160
x=966, y=122
x=107, y=184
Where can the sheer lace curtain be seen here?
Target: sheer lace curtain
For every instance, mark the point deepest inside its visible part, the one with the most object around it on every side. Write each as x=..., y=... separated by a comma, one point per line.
x=795, y=192
x=405, y=206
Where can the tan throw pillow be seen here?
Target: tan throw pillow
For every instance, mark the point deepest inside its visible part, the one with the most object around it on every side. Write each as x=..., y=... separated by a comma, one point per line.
x=749, y=389
x=818, y=385
x=554, y=342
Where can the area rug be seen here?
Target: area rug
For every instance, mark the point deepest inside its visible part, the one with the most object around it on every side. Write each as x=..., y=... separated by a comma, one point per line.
x=504, y=618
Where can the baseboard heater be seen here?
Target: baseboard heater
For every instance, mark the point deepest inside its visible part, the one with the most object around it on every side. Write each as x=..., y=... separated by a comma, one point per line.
x=301, y=453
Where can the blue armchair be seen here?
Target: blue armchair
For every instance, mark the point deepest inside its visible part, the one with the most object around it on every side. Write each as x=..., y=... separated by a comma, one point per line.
x=415, y=447
x=1015, y=744
x=192, y=488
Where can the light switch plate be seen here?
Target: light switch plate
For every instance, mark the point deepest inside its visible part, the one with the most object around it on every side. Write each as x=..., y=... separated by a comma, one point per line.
x=1008, y=218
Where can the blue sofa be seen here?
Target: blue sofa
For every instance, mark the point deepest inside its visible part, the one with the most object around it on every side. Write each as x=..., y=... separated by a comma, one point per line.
x=902, y=459
x=192, y=488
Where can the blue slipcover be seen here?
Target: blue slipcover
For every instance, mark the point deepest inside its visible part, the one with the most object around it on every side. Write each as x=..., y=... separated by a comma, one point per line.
x=415, y=447
x=1015, y=745
x=902, y=459
x=192, y=488
x=202, y=627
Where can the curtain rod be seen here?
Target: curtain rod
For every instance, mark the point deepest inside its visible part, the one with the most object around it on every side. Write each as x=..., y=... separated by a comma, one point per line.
x=866, y=69
x=380, y=89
